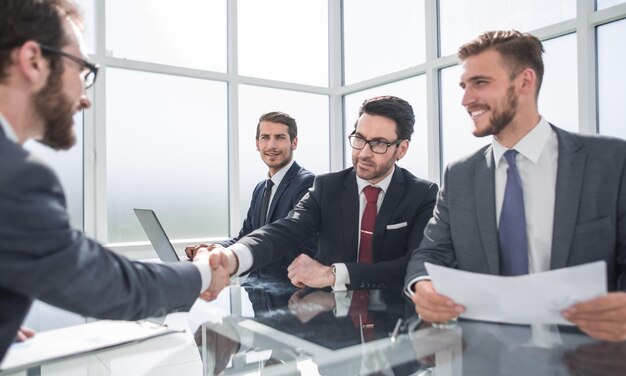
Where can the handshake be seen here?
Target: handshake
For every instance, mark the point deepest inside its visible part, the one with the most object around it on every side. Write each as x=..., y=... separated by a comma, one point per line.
x=223, y=263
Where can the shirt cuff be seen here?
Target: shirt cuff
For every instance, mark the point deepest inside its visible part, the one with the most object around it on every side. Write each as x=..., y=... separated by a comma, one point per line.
x=408, y=291
x=244, y=255
x=342, y=277
x=205, y=273
x=343, y=299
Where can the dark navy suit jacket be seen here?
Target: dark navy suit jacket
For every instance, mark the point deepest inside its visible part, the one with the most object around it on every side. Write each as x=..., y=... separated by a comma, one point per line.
x=331, y=209
x=294, y=185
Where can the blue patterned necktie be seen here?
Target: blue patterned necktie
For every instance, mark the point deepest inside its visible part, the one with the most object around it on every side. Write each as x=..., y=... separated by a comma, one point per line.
x=512, y=229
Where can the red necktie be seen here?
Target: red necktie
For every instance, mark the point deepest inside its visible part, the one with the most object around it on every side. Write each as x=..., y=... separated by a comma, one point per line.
x=367, y=224
x=360, y=298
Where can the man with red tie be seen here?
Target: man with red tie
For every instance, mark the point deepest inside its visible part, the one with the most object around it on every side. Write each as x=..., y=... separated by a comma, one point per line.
x=368, y=217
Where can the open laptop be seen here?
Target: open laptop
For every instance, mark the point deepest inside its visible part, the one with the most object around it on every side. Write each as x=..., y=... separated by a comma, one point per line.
x=160, y=242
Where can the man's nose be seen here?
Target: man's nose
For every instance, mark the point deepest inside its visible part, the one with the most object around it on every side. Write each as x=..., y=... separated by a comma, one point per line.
x=84, y=102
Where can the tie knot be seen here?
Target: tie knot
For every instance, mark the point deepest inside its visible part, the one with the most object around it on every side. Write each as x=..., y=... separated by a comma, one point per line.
x=510, y=157
x=371, y=193
x=269, y=184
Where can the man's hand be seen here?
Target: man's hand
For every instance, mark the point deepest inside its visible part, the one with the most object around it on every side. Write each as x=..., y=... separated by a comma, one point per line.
x=433, y=307
x=602, y=318
x=307, y=306
x=304, y=271
x=219, y=274
x=193, y=249
x=24, y=333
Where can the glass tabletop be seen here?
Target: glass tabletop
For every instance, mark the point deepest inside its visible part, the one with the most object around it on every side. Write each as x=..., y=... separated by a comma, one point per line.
x=275, y=328
x=270, y=327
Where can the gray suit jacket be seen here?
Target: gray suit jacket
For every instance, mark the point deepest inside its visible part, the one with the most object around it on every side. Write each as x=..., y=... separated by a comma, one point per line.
x=42, y=257
x=589, y=212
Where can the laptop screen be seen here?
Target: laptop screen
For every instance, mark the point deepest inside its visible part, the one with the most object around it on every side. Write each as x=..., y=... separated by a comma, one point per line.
x=156, y=234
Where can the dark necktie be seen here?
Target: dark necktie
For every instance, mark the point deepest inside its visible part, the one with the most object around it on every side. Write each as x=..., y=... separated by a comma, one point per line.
x=360, y=298
x=367, y=223
x=265, y=201
x=512, y=229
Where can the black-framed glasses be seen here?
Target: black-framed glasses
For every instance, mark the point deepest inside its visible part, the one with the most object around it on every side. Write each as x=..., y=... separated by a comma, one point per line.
x=376, y=146
x=89, y=71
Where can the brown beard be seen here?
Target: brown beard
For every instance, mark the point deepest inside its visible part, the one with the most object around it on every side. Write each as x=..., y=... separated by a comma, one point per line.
x=56, y=111
x=500, y=120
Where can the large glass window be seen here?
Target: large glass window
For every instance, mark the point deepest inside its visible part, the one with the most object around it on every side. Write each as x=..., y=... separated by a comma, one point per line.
x=188, y=33
x=284, y=40
x=68, y=164
x=380, y=40
x=558, y=98
x=462, y=20
x=456, y=125
x=413, y=90
x=611, y=79
x=89, y=14
x=311, y=114
x=166, y=150
x=602, y=4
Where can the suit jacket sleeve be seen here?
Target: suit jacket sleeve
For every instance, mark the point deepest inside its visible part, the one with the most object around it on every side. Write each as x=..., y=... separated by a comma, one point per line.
x=248, y=223
x=42, y=257
x=272, y=242
x=387, y=273
x=436, y=246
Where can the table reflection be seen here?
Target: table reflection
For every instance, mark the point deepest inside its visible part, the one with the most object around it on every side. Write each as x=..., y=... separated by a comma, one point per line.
x=294, y=327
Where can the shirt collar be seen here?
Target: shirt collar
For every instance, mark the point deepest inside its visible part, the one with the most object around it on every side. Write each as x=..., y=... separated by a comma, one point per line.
x=383, y=184
x=8, y=129
x=278, y=176
x=530, y=146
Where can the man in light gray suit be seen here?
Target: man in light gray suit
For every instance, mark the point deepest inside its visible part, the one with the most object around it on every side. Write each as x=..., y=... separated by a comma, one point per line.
x=43, y=77
x=568, y=190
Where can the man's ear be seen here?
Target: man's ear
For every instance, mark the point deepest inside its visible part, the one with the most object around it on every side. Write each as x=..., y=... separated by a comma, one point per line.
x=528, y=81
x=294, y=143
x=31, y=63
x=402, y=149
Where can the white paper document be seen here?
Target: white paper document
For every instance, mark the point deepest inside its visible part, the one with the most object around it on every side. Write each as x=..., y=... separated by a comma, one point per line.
x=528, y=299
x=79, y=339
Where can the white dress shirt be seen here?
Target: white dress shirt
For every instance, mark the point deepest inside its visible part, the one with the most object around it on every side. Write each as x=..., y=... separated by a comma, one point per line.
x=537, y=165
x=342, y=277
x=277, y=179
x=536, y=162
x=8, y=129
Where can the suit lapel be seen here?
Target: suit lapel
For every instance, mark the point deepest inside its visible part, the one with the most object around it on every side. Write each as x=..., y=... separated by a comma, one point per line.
x=291, y=173
x=394, y=194
x=349, y=201
x=485, y=199
x=569, y=179
x=256, y=210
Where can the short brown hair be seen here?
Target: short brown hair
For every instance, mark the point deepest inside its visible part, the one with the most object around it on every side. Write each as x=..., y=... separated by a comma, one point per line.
x=282, y=118
x=518, y=51
x=37, y=20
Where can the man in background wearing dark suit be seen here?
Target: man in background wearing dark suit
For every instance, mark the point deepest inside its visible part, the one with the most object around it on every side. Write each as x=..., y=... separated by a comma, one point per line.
x=44, y=73
x=538, y=198
x=274, y=197
x=356, y=250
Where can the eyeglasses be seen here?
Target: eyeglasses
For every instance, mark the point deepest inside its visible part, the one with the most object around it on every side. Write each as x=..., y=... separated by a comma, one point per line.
x=376, y=146
x=89, y=71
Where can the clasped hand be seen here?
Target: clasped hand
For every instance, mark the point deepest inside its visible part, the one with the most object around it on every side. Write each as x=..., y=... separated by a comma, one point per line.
x=305, y=271
x=217, y=262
